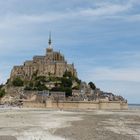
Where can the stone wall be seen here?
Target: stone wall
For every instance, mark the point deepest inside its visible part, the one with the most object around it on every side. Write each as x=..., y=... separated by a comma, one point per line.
x=124, y=106
x=110, y=105
x=78, y=105
x=31, y=104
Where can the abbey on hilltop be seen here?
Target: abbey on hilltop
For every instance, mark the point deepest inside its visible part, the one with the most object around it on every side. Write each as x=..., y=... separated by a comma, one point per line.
x=49, y=81
x=53, y=63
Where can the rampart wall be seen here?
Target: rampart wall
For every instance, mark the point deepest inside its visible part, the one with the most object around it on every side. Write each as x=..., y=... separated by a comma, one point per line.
x=110, y=105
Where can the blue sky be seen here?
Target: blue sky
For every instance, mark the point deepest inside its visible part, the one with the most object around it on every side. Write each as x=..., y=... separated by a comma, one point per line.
x=102, y=38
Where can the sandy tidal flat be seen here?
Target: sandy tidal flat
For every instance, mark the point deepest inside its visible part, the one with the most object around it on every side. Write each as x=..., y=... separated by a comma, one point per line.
x=31, y=124
x=39, y=124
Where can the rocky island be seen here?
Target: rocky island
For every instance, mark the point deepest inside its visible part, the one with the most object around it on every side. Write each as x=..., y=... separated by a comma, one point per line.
x=49, y=81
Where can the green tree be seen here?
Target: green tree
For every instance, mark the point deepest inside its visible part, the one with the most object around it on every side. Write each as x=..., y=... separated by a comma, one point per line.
x=2, y=93
x=40, y=85
x=58, y=89
x=8, y=81
x=66, y=82
x=37, y=83
x=78, y=80
x=92, y=85
x=1, y=86
x=66, y=85
x=40, y=78
x=18, y=82
x=67, y=74
x=68, y=91
x=76, y=87
x=27, y=87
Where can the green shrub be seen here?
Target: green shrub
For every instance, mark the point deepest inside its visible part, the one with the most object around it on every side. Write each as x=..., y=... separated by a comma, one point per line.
x=28, y=88
x=92, y=85
x=17, y=82
x=1, y=86
x=66, y=82
x=76, y=87
x=67, y=74
x=2, y=93
x=68, y=91
x=61, y=89
x=42, y=87
x=40, y=78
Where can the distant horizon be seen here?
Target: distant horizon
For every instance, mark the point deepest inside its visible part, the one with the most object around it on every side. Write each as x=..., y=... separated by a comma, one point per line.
x=133, y=104
x=100, y=37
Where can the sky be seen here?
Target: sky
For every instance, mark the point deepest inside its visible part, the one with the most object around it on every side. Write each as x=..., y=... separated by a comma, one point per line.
x=101, y=37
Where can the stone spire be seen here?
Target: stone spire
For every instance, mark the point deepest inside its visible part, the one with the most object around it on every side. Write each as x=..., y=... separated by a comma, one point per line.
x=49, y=50
x=50, y=41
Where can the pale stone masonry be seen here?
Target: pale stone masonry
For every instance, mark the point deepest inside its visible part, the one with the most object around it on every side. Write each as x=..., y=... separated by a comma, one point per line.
x=53, y=63
x=105, y=105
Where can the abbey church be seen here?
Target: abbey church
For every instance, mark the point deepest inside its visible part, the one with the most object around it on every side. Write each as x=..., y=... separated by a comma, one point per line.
x=53, y=63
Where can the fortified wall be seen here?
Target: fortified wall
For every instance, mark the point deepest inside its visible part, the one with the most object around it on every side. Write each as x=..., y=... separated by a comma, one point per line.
x=84, y=105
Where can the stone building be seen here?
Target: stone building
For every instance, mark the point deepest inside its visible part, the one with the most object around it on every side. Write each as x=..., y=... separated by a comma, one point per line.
x=53, y=63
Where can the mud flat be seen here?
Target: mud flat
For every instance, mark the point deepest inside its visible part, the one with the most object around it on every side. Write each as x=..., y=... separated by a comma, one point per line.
x=104, y=125
x=42, y=124
x=33, y=124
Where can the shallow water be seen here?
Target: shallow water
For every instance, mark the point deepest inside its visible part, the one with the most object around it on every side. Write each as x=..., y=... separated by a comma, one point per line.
x=134, y=106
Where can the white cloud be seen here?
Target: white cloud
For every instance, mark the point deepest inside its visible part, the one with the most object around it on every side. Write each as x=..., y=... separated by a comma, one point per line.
x=106, y=10
x=112, y=74
x=11, y=20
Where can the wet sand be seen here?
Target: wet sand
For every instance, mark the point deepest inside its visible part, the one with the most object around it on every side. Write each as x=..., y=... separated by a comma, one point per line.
x=104, y=125
x=41, y=124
